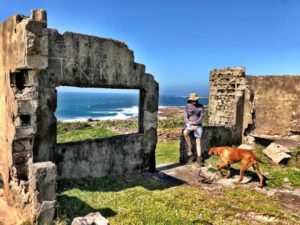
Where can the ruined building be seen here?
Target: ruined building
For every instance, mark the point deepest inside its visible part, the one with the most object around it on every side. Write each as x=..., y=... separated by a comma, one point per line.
x=245, y=109
x=34, y=60
x=260, y=106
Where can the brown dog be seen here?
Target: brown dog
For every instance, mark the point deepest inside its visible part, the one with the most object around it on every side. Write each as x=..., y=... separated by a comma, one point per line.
x=230, y=156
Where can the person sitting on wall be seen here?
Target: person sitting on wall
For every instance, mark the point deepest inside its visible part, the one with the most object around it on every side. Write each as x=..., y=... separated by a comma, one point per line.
x=193, y=116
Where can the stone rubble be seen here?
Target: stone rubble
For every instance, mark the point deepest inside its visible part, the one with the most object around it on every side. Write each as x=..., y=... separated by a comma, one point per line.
x=91, y=219
x=278, y=153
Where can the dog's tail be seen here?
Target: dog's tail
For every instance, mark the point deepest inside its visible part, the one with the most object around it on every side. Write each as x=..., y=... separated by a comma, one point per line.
x=258, y=160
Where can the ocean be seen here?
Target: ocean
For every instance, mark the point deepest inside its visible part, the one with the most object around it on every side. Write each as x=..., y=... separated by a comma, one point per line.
x=81, y=106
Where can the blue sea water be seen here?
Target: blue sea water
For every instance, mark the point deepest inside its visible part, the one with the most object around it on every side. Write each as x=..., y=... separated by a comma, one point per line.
x=80, y=106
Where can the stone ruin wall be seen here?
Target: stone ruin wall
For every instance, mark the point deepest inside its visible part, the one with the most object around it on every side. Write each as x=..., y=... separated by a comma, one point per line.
x=257, y=105
x=87, y=61
x=274, y=105
x=226, y=96
x=226, y=103
x=23, y=55
x=34, y=60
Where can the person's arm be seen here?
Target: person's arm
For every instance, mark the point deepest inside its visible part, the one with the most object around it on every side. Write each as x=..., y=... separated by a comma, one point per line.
x=185, y=114
x=201, y=117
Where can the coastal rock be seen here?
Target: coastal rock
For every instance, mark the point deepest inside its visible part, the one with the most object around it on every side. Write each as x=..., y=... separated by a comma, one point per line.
x=278, y=153
x=91, y=219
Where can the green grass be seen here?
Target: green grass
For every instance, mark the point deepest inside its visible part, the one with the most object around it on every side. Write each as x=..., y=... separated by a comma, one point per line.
x=277, y=173
x=142, y=200
x=167, y=151
x=68, y=132
x=171, y=123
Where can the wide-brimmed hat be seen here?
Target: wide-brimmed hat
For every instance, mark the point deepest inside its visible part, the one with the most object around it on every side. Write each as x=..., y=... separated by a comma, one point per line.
x=193, y=97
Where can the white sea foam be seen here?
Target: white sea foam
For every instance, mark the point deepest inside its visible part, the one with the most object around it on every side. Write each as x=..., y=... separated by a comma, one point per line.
x=103, y=112
x=121, y=114
x=134, y=110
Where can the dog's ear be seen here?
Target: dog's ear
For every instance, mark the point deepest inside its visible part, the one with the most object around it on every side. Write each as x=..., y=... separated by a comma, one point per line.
x=212, y=151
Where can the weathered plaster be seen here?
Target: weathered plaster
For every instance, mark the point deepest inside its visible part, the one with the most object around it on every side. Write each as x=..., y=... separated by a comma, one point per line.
x=34, y=60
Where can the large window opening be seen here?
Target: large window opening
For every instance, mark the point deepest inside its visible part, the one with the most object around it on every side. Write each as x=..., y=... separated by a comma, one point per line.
x=91, y=113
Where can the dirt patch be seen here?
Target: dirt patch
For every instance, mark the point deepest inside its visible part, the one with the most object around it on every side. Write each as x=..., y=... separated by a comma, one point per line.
x=290, y=201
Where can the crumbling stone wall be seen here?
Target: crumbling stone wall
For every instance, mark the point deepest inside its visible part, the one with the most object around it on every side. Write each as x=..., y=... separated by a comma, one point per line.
x=34, y=60
x=274, y=105
x=226, y=95
x=255, y=105
x=87, y=61
x=212, y=136
x=226, y=107
x=24, y=50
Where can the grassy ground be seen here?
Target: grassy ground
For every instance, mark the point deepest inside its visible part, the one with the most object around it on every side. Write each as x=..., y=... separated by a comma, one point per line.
x=167, y=151
x=140, y=199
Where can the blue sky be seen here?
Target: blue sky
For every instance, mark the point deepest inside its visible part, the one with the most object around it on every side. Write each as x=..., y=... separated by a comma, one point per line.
x=181, y=41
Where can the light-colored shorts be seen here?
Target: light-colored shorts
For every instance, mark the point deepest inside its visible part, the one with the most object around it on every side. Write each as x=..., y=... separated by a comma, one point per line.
x=197, y=133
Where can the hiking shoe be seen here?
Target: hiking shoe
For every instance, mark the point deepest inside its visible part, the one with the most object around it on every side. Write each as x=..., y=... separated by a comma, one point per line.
x=200, y=161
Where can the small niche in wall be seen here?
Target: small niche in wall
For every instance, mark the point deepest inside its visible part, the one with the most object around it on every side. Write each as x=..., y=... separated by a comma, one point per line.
x=1, y=182
x=92, y=113
x=19, y=79
x=25, y=120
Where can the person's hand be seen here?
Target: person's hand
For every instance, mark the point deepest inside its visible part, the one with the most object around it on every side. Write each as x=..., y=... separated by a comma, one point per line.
x=193, y=127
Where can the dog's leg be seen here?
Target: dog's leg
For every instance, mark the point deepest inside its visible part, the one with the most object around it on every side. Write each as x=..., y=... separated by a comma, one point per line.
x=261, y=177
x=229, y=171
x=221, y=166
x=245, y=165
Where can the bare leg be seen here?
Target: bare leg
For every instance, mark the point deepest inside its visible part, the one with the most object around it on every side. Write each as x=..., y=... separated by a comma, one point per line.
x=187, y=138
x=198, y=147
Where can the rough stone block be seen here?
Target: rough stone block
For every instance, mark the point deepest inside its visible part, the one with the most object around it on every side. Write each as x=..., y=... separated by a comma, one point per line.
x=91, y=219
x=27, y=106
x=246, y=147
x=39, y=15
x=278, y=153
x=42, y=188
x=43, y=180
x=25, y=132
x=46, y=212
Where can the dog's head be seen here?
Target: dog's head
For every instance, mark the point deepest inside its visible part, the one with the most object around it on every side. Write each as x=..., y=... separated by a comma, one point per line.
x=212, y=151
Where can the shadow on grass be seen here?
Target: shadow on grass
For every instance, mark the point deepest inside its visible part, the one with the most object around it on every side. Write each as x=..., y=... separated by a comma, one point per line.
x=149, y=181
x=168, y=166
x=71, y=207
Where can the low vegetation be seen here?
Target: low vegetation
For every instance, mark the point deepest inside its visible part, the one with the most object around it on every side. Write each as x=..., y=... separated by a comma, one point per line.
x=141, y=199
x=77, y=131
